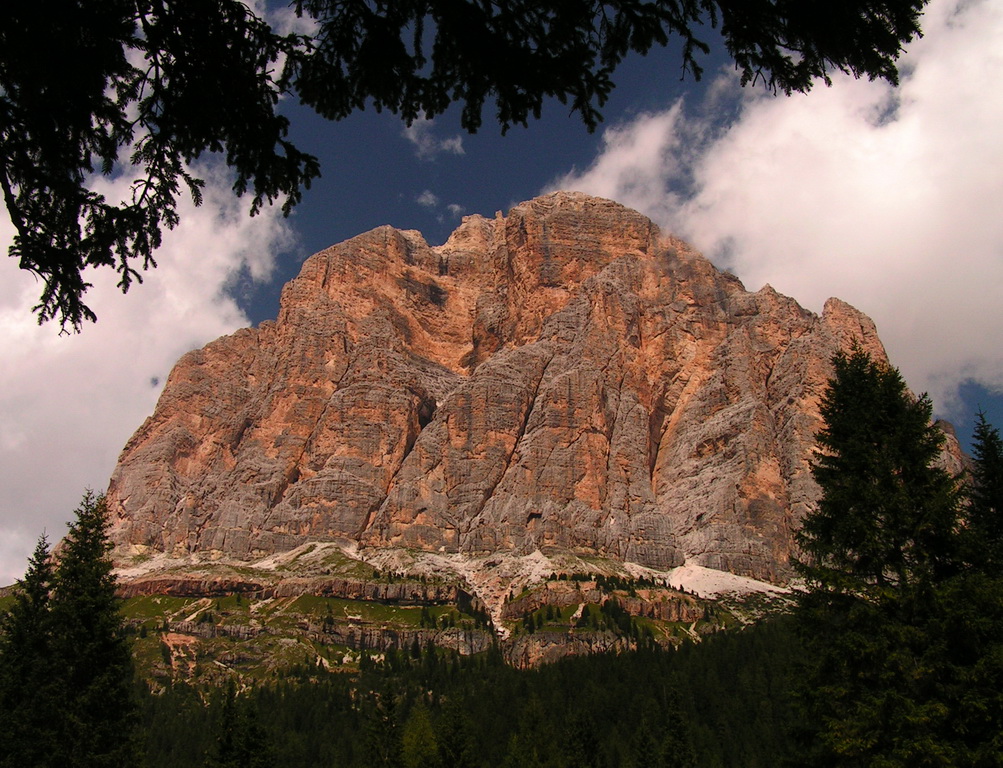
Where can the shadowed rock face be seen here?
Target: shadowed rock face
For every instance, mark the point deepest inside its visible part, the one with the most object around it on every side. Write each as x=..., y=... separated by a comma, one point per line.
x=566, y=377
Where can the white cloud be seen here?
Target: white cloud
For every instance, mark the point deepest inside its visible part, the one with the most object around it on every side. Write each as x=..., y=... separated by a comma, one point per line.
x=427, y=145
x=285, y=20
x=637, y=162
x=69, y=403
x=887, y=198
x=427, y=199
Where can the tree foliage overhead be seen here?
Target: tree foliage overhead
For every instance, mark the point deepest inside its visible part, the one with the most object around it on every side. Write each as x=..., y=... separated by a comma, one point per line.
x=148, y=87
x=151, y=85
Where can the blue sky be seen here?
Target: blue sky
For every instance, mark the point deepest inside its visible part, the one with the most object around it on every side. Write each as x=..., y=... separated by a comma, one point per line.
x=373, y=174
x=886, y=198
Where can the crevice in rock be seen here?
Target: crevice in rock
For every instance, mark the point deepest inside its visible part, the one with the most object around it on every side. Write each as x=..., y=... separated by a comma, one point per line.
x=426, y=412
x=294, y=470
x=656, y=428
x=611, y=426
x=369, y=518
x=423, y=413
x=489, y=492
x=290, y=478
x=244, y=426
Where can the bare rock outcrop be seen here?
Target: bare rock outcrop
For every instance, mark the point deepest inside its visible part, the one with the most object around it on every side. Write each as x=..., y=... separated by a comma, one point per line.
x=527, y=651
x=400, y=593
x=566, y=377
x=662, y=604
x=466, y=642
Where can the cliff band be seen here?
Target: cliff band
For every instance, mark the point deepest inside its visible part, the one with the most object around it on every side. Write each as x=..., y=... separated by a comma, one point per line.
x=563, y=379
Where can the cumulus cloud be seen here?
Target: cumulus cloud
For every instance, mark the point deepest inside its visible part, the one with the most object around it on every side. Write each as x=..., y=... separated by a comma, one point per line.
x=427, y=145
x=69, y=403
x=888, y=198
x=427, y=199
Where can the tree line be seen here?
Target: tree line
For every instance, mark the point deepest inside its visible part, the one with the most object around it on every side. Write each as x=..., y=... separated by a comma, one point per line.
x=721, y=704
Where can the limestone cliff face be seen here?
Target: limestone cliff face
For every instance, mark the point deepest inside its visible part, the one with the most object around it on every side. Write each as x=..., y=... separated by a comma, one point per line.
x=566, y=377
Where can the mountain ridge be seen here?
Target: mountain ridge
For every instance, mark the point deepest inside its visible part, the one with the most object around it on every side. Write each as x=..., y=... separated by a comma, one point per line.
x=565, y=380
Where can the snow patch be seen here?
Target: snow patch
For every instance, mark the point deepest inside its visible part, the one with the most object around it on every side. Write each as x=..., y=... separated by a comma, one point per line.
x=155, y=564
x=710, y=583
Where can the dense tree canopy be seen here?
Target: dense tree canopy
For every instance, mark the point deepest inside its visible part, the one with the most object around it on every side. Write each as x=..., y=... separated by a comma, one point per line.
x=147, y=87
x=722, y=703
x=240, y=741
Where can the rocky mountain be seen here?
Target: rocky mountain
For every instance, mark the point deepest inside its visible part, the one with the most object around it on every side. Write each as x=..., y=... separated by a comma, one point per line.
x=565, y=380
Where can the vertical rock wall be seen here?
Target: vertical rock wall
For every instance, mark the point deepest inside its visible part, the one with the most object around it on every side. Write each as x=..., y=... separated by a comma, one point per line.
x=566, y=377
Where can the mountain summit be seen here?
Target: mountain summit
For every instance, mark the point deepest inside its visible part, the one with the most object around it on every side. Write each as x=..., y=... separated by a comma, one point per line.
x=564, y=379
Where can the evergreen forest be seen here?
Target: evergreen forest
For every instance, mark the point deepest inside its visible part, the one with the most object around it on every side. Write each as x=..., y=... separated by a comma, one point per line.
x=722, y=703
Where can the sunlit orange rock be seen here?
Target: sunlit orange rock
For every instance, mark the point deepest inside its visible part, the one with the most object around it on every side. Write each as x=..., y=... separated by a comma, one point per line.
x=563, y=378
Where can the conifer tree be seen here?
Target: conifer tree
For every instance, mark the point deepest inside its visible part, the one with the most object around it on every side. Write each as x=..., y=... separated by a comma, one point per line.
x=985, y=509
x=91, y=648
x=457, y=746
x=877, y=551
x=887, y=514
x=966, y=633
x=29, y=691
x=240, y=740
x=381, y=741
x=66, y=678
x=419, y=744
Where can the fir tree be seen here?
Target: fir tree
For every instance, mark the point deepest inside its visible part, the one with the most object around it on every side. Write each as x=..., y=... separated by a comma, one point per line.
x=381, y=740
x=663, y=745
x=240, y=740
x=887, y=513
x=91, y=649
x=66, y=679
x=985, y=509
x=878, y=550
x=457, y=746
x=29, y=691
x=581, y=748
x=965, y=635
x=419, y=745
